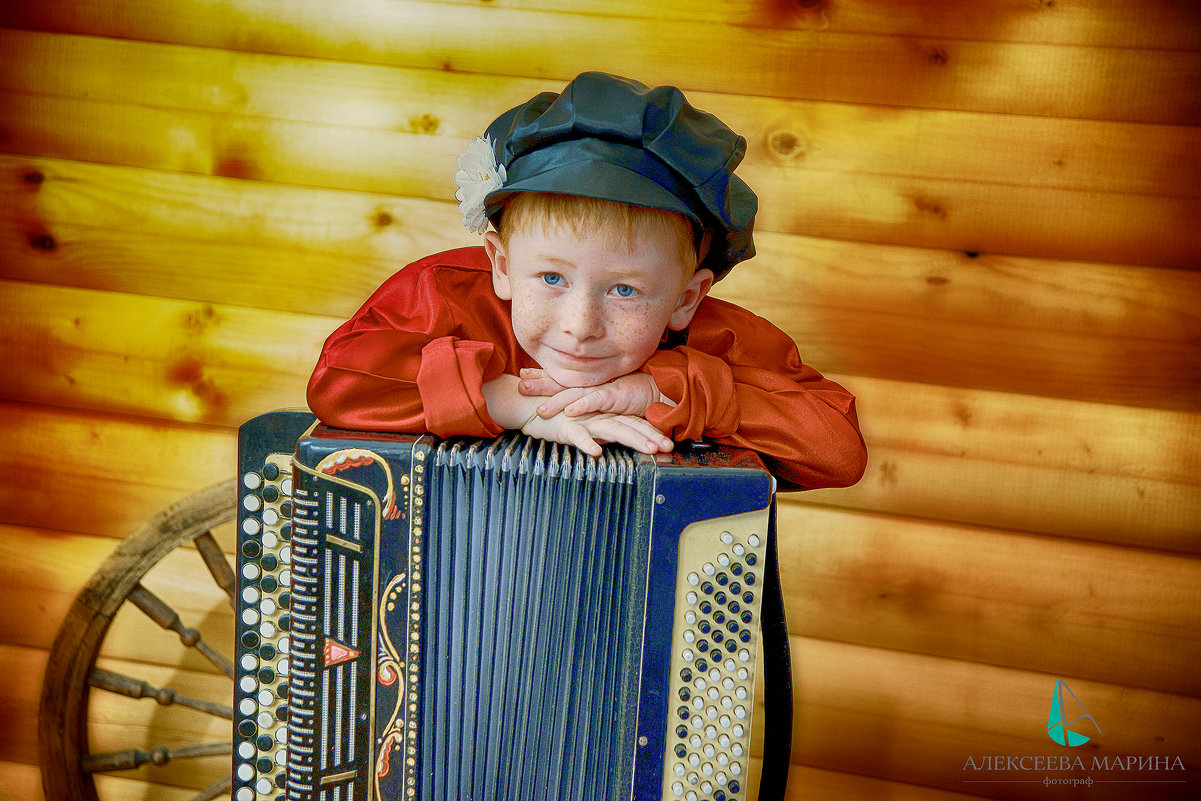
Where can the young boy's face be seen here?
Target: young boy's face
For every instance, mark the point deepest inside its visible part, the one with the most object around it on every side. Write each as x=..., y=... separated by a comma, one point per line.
x=590, y=308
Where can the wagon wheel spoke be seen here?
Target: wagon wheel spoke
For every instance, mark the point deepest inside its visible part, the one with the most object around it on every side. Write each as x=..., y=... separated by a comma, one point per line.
x=217, y=788
x=130, y=687
x=217, y=564
x=161, y=613
x=130, y=758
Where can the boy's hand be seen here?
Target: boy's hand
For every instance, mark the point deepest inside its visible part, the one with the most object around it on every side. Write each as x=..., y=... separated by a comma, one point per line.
x=628, y=395
x=588, y=431
x=512, y=409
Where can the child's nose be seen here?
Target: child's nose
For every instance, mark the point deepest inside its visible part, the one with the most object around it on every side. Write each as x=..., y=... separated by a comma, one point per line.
x=582, y=317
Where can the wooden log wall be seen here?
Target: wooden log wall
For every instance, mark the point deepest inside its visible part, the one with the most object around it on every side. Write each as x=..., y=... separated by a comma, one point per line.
x=983, y=216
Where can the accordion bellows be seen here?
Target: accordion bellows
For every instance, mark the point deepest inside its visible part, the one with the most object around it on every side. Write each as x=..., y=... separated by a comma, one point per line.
x=491, y=619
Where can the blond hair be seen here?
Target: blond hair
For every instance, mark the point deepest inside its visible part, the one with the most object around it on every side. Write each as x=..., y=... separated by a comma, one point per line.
x=544, y=211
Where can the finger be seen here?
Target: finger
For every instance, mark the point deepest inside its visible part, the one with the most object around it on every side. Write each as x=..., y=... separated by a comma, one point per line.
x=630, y=431
x=539, y=385
x=599, y=400
x=582, y=439
x=561, y=400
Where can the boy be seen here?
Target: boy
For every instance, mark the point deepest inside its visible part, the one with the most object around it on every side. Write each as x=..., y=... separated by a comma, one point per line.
x=585, y=318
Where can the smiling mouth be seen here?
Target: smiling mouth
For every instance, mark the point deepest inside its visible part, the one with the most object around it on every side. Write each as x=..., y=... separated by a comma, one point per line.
x=571, y=357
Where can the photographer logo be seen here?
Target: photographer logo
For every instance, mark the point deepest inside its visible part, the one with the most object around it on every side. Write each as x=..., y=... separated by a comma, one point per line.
x=1059, y=725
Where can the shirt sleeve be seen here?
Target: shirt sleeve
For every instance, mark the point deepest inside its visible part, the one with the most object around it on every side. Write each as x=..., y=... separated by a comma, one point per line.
x=398, y=365
x=741, y=382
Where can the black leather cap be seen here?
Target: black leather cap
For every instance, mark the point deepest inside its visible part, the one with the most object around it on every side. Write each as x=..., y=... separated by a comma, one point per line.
x=615, y=139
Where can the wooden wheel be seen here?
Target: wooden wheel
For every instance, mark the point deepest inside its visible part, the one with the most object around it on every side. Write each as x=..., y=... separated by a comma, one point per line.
x=68, y=765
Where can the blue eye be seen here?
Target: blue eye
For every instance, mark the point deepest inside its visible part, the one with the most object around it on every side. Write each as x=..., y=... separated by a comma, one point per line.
x=552, y=279
x=625, y=291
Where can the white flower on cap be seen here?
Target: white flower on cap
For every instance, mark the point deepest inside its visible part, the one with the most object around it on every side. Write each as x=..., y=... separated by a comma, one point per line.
x=478, y=176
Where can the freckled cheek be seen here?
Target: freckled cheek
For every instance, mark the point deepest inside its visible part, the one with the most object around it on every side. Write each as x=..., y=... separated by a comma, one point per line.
x=639, y=332
x=531, y=318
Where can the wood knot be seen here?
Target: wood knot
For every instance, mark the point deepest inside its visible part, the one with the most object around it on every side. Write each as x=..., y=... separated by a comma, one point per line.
x=43, y=242
x=937, y=55
x=235, y=167
x=201, y=318
x=931, y=207
x=34, y=177
x=790, y=11
x=424, y=124
x=383, y=219
x=787, y=144
x=937, y=280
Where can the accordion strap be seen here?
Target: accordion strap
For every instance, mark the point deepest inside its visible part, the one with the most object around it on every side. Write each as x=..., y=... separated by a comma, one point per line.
x=777, y=677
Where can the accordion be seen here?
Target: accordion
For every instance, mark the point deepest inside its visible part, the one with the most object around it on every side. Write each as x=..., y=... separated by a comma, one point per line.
x=501, y=619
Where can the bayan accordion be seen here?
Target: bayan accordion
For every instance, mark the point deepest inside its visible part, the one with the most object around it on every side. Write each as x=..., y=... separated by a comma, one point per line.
x=501, y=619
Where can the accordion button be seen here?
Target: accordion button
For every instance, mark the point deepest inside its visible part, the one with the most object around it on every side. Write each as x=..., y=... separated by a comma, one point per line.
x=270, y=471
x=265, y=743
x=270, y=494
x=252, y=481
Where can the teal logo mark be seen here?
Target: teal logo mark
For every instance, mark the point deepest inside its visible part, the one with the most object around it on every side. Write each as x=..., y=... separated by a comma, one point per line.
x=1058, y=723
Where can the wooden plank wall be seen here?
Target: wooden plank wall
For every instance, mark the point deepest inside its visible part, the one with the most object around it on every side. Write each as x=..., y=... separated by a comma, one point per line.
x=984, y=216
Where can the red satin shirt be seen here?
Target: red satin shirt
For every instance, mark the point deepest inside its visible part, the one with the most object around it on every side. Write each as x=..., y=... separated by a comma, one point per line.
x=415, y=356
